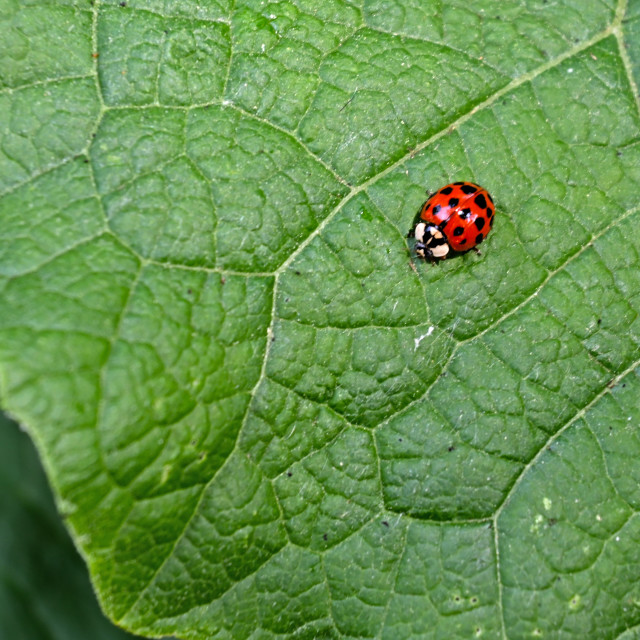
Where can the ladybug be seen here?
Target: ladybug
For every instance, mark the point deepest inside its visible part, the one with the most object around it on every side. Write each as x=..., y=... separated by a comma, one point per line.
x=453, y=220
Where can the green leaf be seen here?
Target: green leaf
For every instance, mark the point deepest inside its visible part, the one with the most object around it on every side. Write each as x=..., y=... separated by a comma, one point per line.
x=258, y=419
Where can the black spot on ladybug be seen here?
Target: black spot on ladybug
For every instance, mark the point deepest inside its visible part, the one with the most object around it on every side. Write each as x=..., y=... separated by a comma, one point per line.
x=463, y=241
x=446, y=191
x=464, y=214
x=479, y=222
x=479, y=238
x=453, y=202
x=469, y=188
x=481, y=201
x=436, y=210
x=489, y=211
x=458, y=231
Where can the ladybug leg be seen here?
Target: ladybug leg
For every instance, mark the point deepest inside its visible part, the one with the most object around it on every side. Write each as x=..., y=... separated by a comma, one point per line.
x=476, y=250
x=411, y=262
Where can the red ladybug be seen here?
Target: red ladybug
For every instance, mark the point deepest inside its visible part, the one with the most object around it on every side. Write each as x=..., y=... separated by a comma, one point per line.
x=453, y=220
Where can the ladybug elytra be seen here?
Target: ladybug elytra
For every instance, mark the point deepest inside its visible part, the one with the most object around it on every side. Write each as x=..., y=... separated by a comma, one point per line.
x=453, y=220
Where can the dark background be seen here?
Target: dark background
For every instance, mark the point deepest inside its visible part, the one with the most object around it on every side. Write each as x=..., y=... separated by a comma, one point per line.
x=45, y=592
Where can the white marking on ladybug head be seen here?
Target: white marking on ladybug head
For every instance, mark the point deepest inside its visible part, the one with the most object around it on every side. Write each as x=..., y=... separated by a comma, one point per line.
x=419, y=231
x=440, y=251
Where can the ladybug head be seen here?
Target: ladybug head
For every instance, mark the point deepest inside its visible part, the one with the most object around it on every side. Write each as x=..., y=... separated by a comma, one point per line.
x=430, y=242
